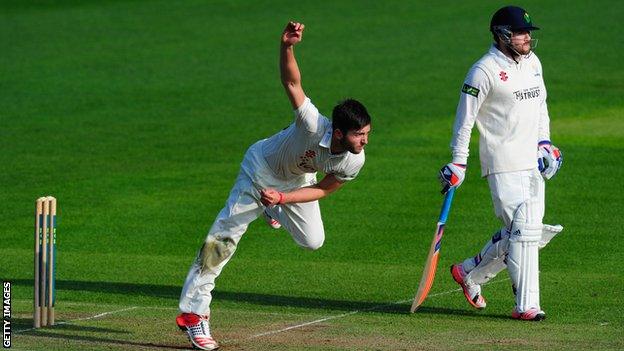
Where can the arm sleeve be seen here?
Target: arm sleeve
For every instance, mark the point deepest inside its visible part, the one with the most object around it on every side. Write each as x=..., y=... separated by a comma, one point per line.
x=473, y=93
x=307, y=116
x=544, y=118
x=351, y=170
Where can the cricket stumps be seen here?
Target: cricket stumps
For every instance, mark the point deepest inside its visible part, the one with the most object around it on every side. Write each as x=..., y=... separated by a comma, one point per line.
x=45, y=260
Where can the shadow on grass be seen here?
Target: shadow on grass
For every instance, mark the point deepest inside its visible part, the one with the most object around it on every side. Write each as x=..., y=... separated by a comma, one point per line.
x=92, y=339
x=404, y=309
x=173, y=292
x=27, y=323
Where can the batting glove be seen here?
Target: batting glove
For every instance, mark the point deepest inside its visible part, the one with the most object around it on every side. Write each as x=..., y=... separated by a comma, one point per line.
x=549, y=159
x=452, y=175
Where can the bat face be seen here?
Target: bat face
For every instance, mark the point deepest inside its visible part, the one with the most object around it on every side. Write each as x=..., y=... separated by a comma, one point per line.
x=430, y=269
x=434, y=250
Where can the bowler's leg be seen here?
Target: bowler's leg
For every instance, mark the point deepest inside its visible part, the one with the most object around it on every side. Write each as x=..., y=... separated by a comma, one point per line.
x=242, y=208
x=303, y=221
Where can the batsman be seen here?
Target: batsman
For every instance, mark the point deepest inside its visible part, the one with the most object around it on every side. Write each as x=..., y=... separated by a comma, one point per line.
x=504, y=94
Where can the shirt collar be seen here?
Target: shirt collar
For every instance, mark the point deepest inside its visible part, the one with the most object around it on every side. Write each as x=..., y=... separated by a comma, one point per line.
x=326, y=139
x=499, y=56
x=326, y=142
x=505, y=60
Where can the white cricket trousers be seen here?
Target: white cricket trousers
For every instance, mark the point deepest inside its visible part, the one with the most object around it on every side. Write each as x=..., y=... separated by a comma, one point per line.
x=302, y=220
x=509, y=191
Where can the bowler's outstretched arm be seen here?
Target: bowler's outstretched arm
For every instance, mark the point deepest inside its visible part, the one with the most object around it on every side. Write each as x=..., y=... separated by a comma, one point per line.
x=289, y=70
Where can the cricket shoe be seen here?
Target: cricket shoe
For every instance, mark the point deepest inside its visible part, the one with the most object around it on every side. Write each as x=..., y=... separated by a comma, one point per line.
x=532, y=314
x=198, y=330
x=472, y=292
x=272, y=222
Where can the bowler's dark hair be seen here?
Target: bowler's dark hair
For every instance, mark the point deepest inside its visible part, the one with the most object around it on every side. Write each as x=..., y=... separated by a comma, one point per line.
x=348, y=115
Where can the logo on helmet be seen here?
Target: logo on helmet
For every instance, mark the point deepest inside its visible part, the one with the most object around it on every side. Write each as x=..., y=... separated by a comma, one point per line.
x=527, y=18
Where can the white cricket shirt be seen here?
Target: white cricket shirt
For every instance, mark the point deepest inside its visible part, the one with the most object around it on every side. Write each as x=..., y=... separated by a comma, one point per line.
x=507, y=100
x=303, y=147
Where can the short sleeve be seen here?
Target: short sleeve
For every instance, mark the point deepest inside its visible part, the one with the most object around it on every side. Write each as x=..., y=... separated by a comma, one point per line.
x=307, y=116
x=351, y=168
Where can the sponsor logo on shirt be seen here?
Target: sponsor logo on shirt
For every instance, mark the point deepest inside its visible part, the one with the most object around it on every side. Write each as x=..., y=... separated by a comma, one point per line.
x=526, y=94
x=306, y=161
x=470, y=90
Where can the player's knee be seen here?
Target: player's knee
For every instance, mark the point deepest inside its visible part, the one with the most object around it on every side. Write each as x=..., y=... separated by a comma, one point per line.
x=313, y=241
x=314, y=244
x=310, y=238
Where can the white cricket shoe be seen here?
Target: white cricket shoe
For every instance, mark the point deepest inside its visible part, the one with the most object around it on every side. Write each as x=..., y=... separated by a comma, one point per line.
x=198, y=330
x=532, y=314
x=272, y=222
x=472, y=292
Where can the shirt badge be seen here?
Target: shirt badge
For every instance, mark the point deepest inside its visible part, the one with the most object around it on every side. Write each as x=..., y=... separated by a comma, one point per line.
x=306, y=161
x=503, y=76
x=470, y=90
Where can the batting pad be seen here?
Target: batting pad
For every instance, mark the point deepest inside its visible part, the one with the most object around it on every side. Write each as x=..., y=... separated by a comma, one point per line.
x=523, y=259
x=490, y=261
x=549, y=232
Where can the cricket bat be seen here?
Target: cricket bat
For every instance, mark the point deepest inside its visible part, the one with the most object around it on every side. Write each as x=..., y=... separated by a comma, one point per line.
x=434, y=252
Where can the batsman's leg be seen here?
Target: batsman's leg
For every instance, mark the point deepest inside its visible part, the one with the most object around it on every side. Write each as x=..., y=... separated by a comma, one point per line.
x=509, y=190
x=492, y=259
x=523, y=264
x=477, y=270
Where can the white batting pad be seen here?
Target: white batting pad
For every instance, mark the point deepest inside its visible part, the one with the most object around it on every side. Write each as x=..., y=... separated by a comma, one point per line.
x=549, y=232
x=490, y=261
x=523, y=259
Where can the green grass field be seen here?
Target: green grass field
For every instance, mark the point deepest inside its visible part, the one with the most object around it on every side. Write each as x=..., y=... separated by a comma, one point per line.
x=136, y=114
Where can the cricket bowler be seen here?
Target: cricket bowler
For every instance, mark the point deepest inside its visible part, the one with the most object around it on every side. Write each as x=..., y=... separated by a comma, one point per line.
x=277, y=180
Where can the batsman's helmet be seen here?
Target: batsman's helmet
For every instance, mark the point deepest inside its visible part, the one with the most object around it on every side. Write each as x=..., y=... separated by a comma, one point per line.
x=510, y=19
